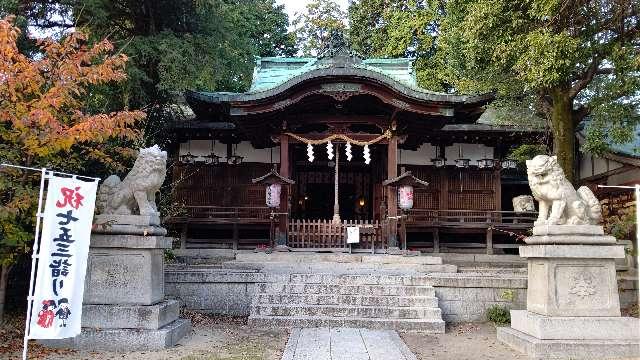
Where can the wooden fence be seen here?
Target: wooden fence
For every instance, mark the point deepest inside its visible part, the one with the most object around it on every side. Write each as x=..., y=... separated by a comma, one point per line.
x=325, y=234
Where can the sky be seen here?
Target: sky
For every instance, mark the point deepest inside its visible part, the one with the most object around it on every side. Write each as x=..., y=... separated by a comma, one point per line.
x=297, y=6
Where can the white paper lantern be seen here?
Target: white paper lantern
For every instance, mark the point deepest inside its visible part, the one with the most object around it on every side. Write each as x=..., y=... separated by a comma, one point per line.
x=405, y=195
x=273, y=195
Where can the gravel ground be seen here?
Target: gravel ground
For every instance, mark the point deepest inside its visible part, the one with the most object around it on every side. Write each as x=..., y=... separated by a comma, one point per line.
x=461, y=342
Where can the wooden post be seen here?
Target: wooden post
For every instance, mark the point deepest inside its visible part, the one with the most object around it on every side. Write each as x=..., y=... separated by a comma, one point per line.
x=436, y=240
x=281, y=236
x=235, y=236
x=336, y=198
x=489, y=241
x=392, y=199
x=183, y=236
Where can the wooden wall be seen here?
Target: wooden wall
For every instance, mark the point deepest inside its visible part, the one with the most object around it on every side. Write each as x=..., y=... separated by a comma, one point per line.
x=220, y=185
x=226, y=185
x=456, y=189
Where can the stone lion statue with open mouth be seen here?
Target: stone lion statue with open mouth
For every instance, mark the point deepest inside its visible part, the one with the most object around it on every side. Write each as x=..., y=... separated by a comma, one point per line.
x=138, y=189
x=559, y=202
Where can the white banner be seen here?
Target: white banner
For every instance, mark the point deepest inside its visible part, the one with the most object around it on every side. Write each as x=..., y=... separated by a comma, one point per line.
x=62, y=263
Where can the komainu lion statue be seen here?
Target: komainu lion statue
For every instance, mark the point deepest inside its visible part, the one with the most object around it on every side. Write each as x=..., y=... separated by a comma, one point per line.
x=559, y=202
x=523, y=203
x=137, y=192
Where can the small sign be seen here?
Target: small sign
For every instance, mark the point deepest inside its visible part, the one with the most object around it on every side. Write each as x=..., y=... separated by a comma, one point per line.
x=353, y=235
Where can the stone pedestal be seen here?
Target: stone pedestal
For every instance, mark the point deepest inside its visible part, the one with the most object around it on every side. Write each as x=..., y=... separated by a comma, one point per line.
x=124, y=308
x=573, y=308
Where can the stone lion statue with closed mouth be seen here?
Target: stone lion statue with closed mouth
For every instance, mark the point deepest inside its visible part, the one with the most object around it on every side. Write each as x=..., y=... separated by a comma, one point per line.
x=137, y=192
x=559, y=202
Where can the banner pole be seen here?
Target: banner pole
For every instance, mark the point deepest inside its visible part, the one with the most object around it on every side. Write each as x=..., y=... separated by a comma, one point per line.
x=34, y=258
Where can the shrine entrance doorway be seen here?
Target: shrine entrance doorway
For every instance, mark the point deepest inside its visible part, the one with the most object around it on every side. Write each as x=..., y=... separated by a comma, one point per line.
x=359, y=186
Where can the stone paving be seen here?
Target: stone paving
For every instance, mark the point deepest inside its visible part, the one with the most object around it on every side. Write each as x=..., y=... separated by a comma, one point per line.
x=345, y=344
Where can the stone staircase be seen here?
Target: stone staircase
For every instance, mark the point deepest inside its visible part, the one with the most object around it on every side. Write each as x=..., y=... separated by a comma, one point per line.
x=374, y=301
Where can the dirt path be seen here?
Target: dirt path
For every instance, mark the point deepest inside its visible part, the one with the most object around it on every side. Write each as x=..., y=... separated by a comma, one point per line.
x=460, y=342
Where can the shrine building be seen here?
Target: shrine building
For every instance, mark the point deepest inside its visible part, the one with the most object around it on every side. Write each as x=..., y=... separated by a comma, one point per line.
x=317, y=145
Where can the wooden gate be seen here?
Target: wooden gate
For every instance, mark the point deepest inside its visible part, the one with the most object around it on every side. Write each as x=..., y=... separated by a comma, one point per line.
x=326, y=235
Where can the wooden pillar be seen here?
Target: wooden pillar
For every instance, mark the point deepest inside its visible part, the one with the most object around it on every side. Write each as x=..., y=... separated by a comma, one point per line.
x=392, y=199
x=183, y=236
x=489, y=241
x=236, y=237
x=436, y=240
x=281, y=233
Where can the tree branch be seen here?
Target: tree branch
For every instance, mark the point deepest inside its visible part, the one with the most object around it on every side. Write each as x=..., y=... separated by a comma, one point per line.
x=585, y=79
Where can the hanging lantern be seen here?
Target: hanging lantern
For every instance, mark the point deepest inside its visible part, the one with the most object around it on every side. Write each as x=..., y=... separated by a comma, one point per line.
x=212, y=158
x=273, y=195
x=439, y=161
x=509, y=164
x=486, y=163
x=235, y=159
x=405, y=197
x=460, y=161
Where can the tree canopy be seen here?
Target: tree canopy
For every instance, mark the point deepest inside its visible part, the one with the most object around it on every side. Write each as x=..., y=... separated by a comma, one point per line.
x=565, y=61
x=44, y=123
x=314, y=27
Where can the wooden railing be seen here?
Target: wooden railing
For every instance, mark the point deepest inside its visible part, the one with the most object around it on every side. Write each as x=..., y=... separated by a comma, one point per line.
x=325, y=234
x=224, y=214
x=470, y=218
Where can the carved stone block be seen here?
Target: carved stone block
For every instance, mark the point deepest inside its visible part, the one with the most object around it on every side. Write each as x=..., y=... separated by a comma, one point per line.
x=130, y=274
x=563, y=285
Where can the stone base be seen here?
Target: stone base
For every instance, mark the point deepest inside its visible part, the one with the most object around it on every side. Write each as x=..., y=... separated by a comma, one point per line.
x=149, y=317
x=569, y=349
x=121, y=340
x=575, y=328
x=140, y=220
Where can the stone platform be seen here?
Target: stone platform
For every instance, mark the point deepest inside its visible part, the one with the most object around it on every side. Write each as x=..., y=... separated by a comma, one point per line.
x=538, y=349
x=122, y=340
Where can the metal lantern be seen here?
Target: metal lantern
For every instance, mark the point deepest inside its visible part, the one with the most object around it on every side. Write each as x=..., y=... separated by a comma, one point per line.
x=509, y=164
x=439, y=162
x=405, y=197
x=486, y=163
x=273, y=195
x=235, y=159
x=188, y=158
x=462, y=163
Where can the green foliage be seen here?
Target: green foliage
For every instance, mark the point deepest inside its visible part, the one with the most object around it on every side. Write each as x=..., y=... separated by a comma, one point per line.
x=399, y=28
x=526, y=152
x=508, y=294
x=169, y=256
x=499, y=315
x=622, y=225
x=313, y=27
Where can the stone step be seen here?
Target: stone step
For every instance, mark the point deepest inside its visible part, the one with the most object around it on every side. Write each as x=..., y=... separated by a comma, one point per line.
x=360, y=279
x=347, y=311
x=332, y=289
x=305, y=258
x=433, y=326
x=321, y=299
x=341, y=268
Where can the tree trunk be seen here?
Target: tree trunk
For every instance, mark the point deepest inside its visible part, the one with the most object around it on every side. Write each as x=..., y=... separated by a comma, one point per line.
x=564, y=132
x=4, y=280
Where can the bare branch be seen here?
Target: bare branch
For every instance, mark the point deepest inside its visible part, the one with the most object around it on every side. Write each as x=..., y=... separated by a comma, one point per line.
x=585, y=79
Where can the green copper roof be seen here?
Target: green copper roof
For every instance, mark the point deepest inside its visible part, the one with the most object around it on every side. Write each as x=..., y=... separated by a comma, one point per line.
x=271, y=72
